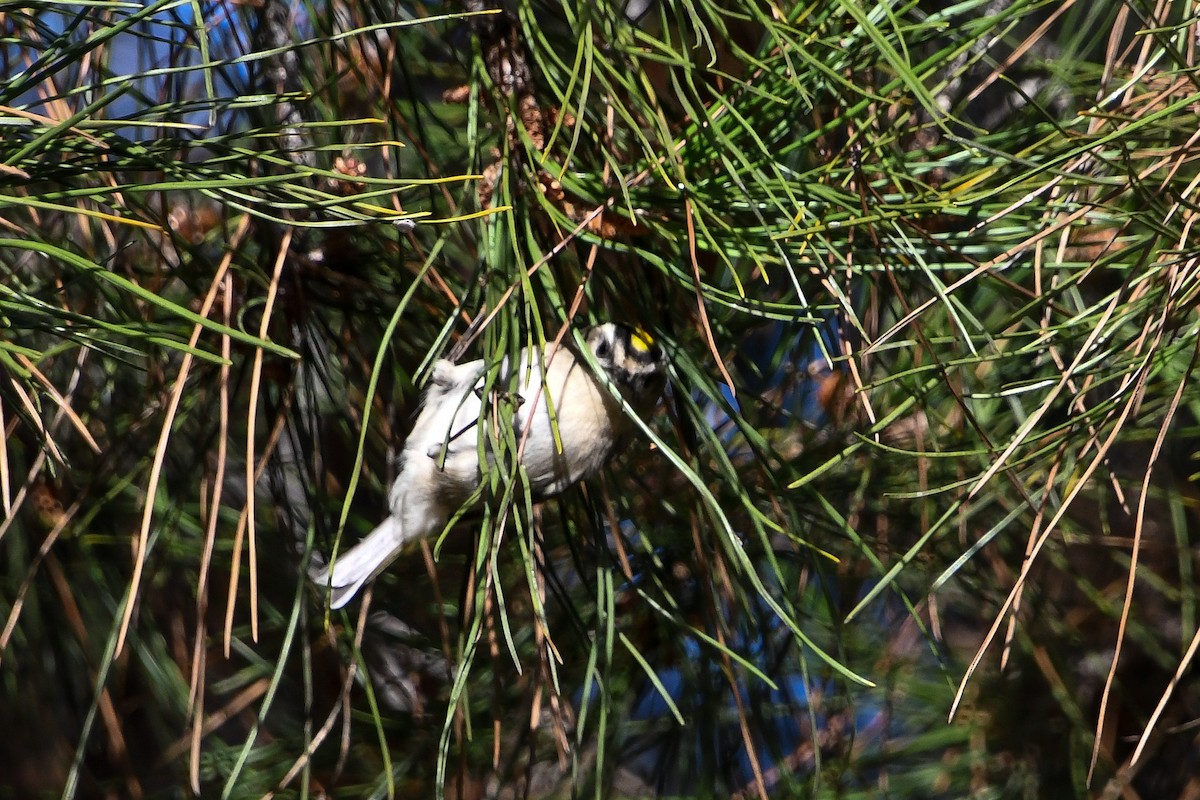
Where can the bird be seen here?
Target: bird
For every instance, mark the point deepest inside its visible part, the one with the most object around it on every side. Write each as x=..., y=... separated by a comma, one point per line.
x=568, y=423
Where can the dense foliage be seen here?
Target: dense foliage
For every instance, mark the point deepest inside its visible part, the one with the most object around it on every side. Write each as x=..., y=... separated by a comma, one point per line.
x=927, y=279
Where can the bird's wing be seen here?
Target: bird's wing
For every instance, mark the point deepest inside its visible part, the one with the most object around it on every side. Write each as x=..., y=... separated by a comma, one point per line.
x=461, y=395
x=449, y=378
x=450, y=411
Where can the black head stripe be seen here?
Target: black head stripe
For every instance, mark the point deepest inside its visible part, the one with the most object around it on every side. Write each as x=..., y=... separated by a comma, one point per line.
x=645, y=357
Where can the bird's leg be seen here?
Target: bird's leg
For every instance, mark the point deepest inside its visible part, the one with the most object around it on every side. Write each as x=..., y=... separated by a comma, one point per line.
x=503, y=394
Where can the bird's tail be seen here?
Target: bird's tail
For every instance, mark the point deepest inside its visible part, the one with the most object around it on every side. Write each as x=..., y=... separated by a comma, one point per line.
x=362, y=562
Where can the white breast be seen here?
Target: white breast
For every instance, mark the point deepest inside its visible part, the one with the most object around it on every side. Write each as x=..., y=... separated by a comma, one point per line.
x=586, y=418
x=444, y=447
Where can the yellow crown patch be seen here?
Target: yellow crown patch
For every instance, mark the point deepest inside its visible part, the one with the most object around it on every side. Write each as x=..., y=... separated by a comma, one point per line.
x=641, y=341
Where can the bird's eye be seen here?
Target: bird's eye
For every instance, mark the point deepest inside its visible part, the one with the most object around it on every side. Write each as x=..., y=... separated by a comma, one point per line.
x=604, y=349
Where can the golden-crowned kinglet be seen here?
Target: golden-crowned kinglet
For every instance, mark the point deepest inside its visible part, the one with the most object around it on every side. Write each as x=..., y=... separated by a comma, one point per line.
x=440, y=465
